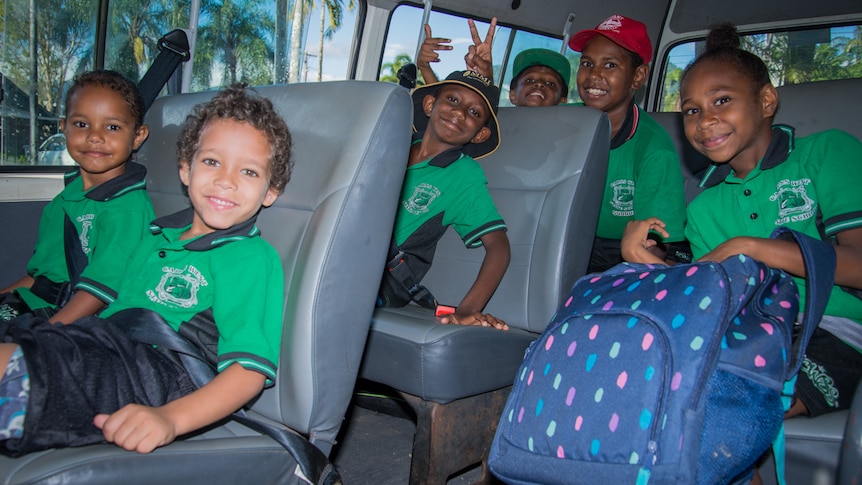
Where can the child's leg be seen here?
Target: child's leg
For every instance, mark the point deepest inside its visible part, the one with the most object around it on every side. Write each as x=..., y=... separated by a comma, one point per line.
x=14, y=391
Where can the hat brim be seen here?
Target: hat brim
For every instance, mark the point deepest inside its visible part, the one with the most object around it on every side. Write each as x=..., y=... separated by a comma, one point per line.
x=475, y=150
x=579, y=40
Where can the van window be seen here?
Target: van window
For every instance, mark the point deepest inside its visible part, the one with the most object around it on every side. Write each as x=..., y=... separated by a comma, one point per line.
x=250, y=41
x=793, y=57
x=402, y=43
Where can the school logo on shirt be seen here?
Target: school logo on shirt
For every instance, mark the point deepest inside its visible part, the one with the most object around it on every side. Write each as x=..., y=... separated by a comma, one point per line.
x=794, y=204
x=86, y=222
x=178, y=287
x=623, y=200
x=422, y=197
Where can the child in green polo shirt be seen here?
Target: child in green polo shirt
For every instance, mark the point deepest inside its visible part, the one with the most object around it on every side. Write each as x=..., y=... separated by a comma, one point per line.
x=105, y=203
x=540, y=77
x=764, y=177
x=204, y=271
x=455, y=122
x=644, y=176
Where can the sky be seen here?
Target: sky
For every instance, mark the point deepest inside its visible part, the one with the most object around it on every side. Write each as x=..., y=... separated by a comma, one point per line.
x=402, y=38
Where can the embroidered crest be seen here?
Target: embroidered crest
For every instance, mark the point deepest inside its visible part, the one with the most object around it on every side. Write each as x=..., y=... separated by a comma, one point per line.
x=794, y=204
x=178, y=287
x=422, y=197
x=623, y=200
x=86, y=222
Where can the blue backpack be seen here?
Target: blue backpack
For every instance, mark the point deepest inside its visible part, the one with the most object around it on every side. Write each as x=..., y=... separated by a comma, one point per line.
x=653, y=374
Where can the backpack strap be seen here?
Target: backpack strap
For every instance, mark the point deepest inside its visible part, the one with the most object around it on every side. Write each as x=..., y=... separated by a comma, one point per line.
x=149, y=327
x=819, y=259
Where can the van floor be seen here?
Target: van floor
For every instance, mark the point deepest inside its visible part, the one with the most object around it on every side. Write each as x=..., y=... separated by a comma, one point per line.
x=375, y=443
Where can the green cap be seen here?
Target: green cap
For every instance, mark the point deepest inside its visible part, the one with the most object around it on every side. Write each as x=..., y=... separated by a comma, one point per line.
x=543, y=57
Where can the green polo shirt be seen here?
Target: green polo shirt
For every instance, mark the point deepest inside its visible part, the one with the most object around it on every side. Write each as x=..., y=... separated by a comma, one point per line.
x=110, y=220
x=644, y=180
x=231, y=277
x=798, y=180
x=451, y=186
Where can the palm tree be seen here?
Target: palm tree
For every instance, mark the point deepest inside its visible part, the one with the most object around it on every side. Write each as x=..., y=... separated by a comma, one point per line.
x=235, y=37
x=300, y=7
x=391, y=68
x=336, y=14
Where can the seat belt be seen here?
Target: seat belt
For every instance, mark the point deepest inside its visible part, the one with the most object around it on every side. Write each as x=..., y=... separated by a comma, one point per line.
x=76, y=261
x=403, y=275
x=149, y=327
x=174, y=50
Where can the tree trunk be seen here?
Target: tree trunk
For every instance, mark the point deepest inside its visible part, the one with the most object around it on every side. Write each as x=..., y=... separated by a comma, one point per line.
x=296, y=40
x=281, y=21
x=320, y=51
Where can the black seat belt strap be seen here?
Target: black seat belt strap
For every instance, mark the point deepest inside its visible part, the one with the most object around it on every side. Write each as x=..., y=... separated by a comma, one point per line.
x=76, y=261
x=174, y=50
x=149, y=327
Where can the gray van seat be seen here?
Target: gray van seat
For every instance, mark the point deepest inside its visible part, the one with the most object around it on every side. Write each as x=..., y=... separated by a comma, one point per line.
x=546, y=179
x=331, y=228
x=692, y=162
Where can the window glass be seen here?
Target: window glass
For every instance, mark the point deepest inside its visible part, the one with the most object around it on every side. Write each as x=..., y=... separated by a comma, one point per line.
x=791, y=57
x=250, y=41
x=33, y=86
x=402, y=43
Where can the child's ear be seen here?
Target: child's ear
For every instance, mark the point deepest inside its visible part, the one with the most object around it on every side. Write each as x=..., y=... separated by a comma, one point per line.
x=483, y=135
x=185, y=172
x=269, y=198
x=63, y=125
x=769, y=100
x=428, y=104
x=640, y=76
x=141, y=134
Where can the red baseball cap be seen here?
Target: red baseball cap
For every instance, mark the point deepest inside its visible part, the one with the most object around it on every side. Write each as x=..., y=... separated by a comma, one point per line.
x=627, y=33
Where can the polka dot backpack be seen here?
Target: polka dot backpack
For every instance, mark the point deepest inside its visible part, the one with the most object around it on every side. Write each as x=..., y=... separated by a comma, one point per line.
x=655, y=374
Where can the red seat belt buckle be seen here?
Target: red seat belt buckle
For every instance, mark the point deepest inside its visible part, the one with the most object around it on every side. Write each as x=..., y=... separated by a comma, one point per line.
x=444, y=310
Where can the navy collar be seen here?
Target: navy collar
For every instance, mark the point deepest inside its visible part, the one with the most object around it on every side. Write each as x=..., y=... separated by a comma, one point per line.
x=443, y=159
x=780, y=147
x=627, y=131
x=212, y=240
x=133, y=179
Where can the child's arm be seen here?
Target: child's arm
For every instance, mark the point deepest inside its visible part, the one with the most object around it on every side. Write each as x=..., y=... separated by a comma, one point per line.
x=636, y=247
x=428, y=54
x=144, y=428
x=469, y=311
x=81, y=304
x=786, y=255
x=25, y=282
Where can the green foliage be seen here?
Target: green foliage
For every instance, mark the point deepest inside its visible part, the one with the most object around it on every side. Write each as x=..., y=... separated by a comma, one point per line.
x=389, y=70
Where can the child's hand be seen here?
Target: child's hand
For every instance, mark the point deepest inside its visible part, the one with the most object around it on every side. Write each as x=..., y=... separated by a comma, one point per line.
x=635, y=244
x=429, y=48
x=478, y=58
x=477, y=318
x=136, y=428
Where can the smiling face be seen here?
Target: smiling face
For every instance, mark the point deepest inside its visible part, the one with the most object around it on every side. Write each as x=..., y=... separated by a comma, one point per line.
x=726, y=117
x=100, y=133
x=537, y=86
x=607, y=78
x=228, y=177
x=457, y=116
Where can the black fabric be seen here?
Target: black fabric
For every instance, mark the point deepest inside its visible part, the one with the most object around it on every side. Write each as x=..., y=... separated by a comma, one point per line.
x=831, y=365
x=48, y=290
x=83, y=369
x=605, y=255
x=413, y=259
x=150, y=327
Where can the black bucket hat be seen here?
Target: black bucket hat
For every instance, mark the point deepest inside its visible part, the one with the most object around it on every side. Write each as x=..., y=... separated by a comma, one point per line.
x=479, y=84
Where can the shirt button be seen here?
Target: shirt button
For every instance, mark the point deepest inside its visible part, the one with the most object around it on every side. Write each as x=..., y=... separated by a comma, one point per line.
x=747, y=192
x=161, y=254
x=753, y=216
